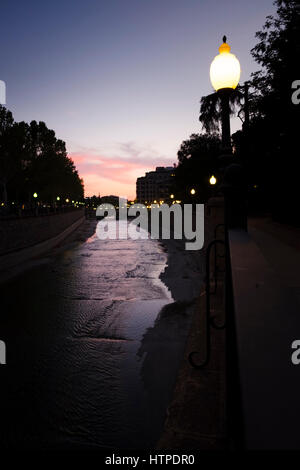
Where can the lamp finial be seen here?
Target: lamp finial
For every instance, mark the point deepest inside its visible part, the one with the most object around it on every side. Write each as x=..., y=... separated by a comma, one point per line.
x=224, y=38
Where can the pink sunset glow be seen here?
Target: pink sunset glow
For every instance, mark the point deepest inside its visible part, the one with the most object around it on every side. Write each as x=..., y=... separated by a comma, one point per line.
x=113, y=175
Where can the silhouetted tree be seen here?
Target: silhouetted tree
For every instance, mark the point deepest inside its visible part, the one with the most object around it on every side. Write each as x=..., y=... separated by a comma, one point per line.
x=210, y=109
x=197, y=158
x=32, y=160
x=269, y=147
x=6, y=163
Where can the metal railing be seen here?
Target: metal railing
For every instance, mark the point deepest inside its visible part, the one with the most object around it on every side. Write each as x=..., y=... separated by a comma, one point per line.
x=17, y=212
x=235, y=424
x=209, y=320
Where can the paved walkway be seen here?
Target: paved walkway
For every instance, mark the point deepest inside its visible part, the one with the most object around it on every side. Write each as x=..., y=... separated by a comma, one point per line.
x=280, y=245
x=266, y=285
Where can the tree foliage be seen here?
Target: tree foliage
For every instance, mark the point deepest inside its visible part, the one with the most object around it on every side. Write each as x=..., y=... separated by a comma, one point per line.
x=269, y=148
x=210, y=109
x=197, y=158
x=32, y=160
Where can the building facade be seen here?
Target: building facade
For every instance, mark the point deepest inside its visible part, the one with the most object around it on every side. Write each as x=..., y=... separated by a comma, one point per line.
x=155, y=186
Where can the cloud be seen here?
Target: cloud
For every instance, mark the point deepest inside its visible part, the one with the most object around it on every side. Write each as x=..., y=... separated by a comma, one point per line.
x=116, y=174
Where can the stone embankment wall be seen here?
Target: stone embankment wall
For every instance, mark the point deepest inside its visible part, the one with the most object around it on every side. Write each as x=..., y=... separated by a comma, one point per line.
x=17, y=234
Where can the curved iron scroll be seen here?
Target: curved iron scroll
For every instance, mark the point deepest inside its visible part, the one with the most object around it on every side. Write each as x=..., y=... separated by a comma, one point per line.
x=210, y=321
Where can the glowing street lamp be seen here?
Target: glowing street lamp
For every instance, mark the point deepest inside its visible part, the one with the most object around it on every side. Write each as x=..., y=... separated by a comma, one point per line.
x=58, y=198
x=225, y=74
x=212, y=180
x=193, y=191
x=172, y=196
x=225, y=69
x=35, y=195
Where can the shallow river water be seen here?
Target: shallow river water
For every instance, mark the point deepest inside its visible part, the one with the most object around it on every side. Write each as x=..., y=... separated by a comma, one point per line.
x=92, y=349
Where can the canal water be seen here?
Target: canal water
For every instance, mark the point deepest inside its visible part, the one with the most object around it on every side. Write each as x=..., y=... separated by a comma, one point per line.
x=94, y=341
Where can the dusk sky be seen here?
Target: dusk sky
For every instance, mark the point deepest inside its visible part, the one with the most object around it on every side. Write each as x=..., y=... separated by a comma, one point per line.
x=120, y=81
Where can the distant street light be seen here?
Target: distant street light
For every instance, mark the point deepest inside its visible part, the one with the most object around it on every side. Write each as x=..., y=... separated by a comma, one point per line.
x=212, y=180
x=225, y=74
x=58, y=198
x=193, y=191
x=172, y=196
x=35, y=195
x=67, y=200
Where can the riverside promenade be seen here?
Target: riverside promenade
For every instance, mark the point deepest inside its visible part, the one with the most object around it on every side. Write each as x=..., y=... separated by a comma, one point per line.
x=266, y=304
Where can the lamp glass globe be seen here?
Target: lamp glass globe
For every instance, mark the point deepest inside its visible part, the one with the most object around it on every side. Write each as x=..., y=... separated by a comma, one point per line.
x=225, y=69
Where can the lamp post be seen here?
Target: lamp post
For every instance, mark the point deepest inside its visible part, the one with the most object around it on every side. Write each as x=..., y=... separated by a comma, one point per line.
x=225, y=72
x=246, y=106
x=36, y=205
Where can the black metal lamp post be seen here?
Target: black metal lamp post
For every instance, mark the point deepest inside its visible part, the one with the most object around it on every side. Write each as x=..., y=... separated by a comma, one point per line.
x=225, y=73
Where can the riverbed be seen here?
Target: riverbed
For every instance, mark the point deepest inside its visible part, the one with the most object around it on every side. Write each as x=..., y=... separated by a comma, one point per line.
x=95, y=333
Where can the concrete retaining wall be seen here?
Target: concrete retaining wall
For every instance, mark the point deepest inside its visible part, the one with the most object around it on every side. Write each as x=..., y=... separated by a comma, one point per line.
x=19, y=257
x=22, y=233
x=43, y=233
